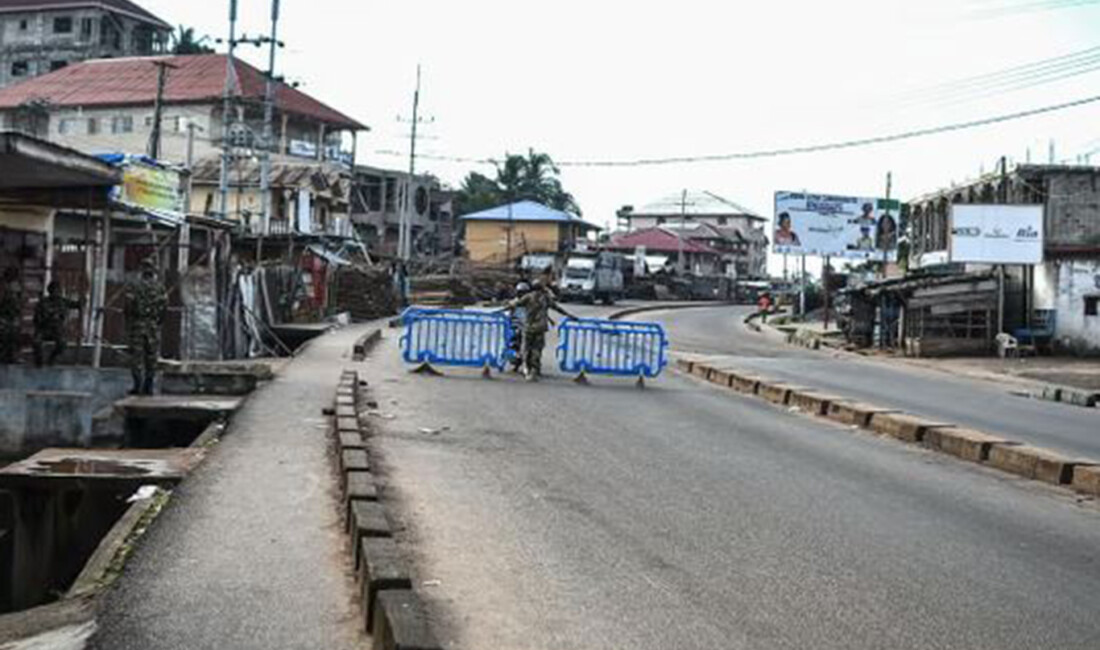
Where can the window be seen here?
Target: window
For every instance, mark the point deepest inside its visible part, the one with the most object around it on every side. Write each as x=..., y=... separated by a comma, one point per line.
x=65, y=125
x=660, y=221
x=57, y=65
x=20, y=68
x=86, y=29
x=1092, y=305
x=122, y=124
x=23, y=25
x=723, y=221
x=93, y=125
x=63, y=25
x=179, y=123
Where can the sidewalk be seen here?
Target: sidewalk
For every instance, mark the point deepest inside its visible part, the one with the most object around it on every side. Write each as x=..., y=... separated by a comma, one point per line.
x=1027, y=372
x=249, y=551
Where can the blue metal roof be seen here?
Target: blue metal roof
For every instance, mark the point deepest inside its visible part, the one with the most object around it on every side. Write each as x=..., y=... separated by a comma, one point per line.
x=528, y=211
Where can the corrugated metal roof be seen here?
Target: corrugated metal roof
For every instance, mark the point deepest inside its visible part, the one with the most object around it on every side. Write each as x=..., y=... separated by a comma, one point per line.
x=528, y=211
x=120, y=6
x=661, y=240
x=698, y=204
x=133, y=81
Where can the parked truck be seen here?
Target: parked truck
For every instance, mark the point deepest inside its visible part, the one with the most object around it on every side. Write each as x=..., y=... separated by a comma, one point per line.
x=590, y=278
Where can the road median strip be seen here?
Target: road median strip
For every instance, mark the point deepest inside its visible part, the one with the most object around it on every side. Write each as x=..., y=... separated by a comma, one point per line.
x=1026, y=461
x=392, y=613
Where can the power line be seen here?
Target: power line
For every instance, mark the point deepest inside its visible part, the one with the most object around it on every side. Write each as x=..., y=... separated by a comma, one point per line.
x=1031, y=6
x=786, y=151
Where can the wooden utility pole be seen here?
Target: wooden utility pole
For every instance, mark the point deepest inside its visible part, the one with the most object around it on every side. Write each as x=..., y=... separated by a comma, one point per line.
x=158, y=108
x=680, y=261
x=1001, y=267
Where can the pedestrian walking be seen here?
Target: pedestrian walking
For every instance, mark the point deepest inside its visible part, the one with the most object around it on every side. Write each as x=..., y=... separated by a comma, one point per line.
x=11, y=312
x=536, y=306
x=764, y=306
x=49, y=323
x=146, y=303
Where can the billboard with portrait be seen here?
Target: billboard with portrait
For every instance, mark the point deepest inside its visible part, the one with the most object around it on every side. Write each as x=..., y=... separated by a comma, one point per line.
x=836, y=226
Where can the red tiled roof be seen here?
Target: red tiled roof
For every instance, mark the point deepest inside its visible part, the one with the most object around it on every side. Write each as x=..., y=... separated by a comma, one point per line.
x=658, y=240
x=133, y=81
x=120, y=6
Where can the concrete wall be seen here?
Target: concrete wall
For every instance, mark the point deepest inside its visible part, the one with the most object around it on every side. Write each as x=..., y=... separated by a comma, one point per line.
x=1073, y=209
x=1077, y=280
x=29, y=36
x=42, y=407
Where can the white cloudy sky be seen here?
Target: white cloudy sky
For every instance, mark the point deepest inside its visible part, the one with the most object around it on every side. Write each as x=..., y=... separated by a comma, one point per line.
x=585, y=79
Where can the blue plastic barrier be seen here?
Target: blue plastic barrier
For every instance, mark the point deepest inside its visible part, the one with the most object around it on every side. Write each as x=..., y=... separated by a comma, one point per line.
x=455, y=337
x=607, y=347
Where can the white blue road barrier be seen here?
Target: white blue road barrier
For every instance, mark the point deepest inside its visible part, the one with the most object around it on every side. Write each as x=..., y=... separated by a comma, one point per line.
x=456, y=337
x=607, y=347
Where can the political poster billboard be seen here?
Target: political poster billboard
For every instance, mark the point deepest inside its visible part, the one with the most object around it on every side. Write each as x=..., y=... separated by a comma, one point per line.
x=997, y=234
x=837, y=226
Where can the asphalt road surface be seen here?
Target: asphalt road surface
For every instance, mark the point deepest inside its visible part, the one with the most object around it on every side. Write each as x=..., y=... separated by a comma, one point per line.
x=985, y=406
x=554, y=515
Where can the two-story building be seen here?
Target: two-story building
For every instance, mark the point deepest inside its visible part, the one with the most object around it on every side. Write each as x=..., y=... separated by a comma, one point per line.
x=41, y=36
x=1063, y=292
x=737, y=232
x=106, y=105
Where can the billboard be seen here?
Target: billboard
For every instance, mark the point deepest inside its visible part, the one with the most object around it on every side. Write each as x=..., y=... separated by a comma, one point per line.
x=155, y=189
x=837, y=226
x=997, y=234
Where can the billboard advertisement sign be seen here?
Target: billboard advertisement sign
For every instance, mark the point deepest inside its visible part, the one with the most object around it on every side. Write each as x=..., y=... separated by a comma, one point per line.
x=997, y=234
x=837, y=226
x=154, y=189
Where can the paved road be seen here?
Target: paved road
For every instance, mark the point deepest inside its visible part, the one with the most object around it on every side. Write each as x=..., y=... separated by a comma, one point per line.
x=941, y=396
x=558, y=516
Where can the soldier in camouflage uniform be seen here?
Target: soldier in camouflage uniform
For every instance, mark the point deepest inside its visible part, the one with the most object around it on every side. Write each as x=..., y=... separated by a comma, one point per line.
x=49, y=323
x=11, y=310
x=537, y=305
x=146, y=303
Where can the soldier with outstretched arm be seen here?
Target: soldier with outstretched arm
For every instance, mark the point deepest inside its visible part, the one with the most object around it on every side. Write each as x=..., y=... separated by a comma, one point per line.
x=537, y=305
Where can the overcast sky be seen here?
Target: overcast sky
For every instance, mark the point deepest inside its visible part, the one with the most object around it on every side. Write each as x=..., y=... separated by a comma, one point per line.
x=585, y=80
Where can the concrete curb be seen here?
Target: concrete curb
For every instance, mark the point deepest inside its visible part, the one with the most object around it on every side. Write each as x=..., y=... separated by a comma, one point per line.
x=391, y=612
x=1033, y=463
x=365, y=344
x=641, y=309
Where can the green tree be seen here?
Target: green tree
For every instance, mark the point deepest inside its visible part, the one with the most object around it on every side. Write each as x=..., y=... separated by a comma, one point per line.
x=184, y=42
x=533, y=177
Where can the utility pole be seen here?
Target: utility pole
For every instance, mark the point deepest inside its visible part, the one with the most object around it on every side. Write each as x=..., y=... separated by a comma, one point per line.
x=404, y=239
x=1001, y=267
x=158, y=108
x=269, y=115
x=227, y=99
x=683, y=231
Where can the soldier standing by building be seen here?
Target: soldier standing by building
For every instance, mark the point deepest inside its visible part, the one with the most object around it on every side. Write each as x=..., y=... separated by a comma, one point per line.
x=146, y=303
x=49, y=323
x=537, y=304
x=11, y=311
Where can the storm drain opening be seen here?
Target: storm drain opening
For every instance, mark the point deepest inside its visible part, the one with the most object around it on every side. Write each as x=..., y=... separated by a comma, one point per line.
x=57, y=506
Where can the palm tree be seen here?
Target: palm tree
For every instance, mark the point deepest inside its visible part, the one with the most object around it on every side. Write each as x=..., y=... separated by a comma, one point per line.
x=185, y=42
x=533, y=177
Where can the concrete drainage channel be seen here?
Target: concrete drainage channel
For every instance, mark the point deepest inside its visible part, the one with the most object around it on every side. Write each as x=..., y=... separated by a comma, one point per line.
x=1080, y=475
x=393, y=614
x=70, y=515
